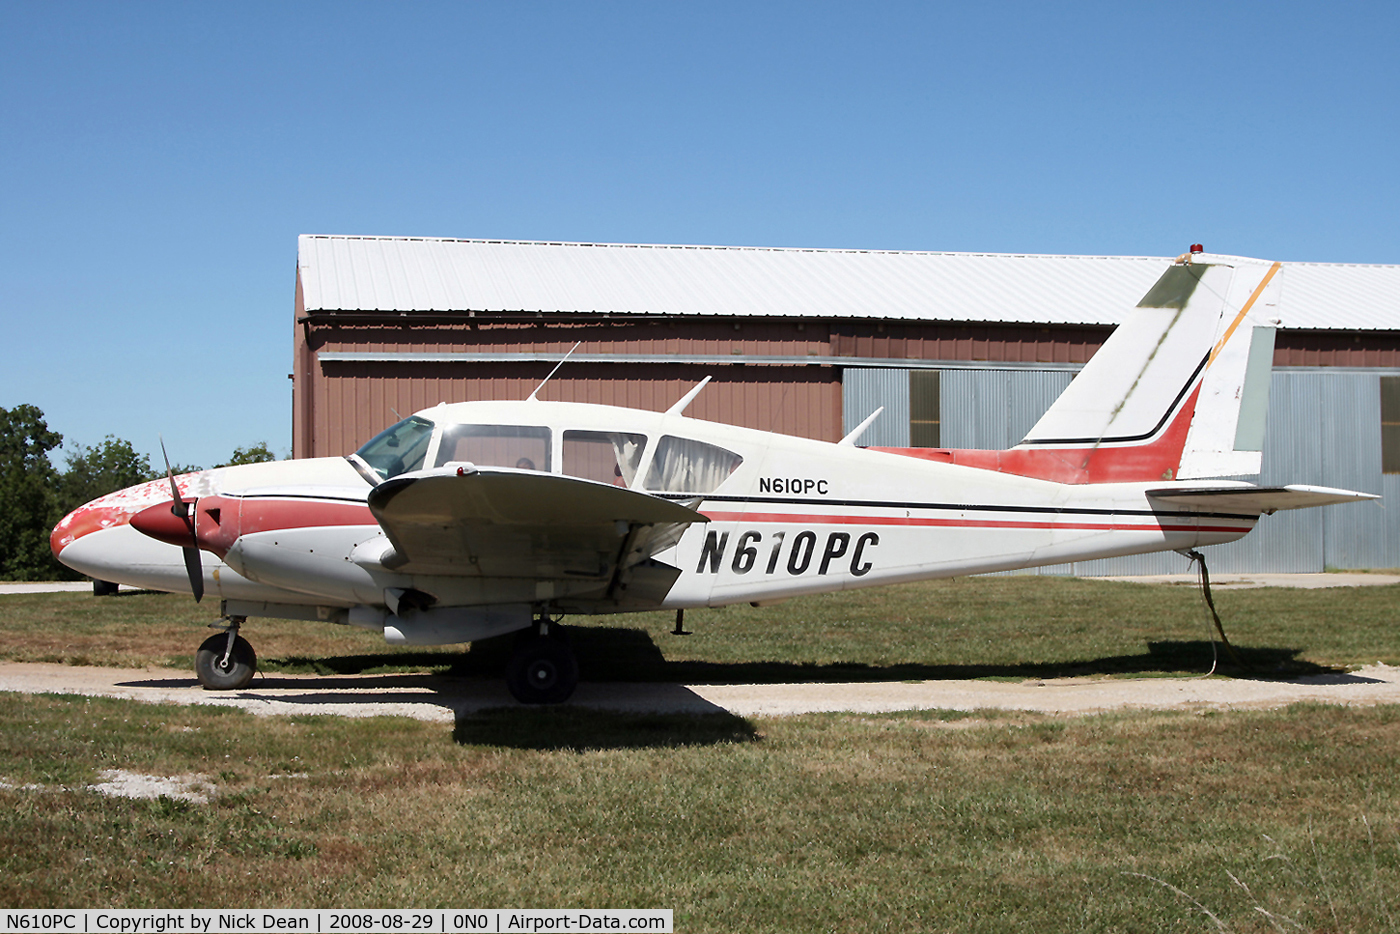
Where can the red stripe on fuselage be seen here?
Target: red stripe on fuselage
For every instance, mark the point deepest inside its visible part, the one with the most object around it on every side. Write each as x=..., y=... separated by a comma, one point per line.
x=223, y=519
x=1157, y=459
x=819, y=519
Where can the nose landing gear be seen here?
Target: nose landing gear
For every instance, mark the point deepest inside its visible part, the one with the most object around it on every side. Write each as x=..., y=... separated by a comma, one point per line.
x=226, y=661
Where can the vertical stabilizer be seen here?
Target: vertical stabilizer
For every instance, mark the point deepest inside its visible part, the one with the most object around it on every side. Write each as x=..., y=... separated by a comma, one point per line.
x=1180, y=389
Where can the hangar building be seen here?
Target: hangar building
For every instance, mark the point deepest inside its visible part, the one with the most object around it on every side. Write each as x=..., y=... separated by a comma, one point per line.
x=963, y=350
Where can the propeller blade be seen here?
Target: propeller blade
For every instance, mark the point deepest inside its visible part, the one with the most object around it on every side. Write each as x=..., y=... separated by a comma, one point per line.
x=177, y=504
x=194, y=567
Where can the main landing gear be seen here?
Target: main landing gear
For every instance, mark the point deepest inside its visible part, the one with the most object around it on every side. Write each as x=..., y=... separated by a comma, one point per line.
x=226, y=661
x=543, y=669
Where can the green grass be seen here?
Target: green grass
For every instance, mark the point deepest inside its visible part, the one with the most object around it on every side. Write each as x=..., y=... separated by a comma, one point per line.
x=1012, y=627
x=1132, y=821
x=1000, y=627
x=897, y=822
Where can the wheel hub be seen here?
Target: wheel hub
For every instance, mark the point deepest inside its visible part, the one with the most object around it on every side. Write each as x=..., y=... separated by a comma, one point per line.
x=543, y=674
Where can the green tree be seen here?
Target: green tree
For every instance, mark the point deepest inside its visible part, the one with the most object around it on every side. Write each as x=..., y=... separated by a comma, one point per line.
x=96, y=471
x=253, y=454
x=28, y=484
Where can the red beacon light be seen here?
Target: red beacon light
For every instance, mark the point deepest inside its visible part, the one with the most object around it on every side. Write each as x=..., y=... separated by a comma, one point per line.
x=1197, y=248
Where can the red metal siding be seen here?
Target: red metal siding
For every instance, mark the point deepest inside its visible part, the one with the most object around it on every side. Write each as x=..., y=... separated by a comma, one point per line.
x=990, y=342
x=358, y=399
x=1337, y=348
x=337, y=406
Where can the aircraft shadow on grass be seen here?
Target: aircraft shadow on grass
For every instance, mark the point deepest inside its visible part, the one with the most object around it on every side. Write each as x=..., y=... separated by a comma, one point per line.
x=469, y=684
x=651, y=716
x=616, y=654
x=581, y=728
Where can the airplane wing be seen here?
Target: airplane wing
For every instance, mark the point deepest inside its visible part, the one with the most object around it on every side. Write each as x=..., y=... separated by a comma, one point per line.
x=521, y=523
x=1256, y=500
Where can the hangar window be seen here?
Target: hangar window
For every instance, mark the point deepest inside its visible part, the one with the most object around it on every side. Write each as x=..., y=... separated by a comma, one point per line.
x=684, y=466
x=399, y=448
x=605, y=456
x=1390, y=424
x=522, y=446
x=924, y=423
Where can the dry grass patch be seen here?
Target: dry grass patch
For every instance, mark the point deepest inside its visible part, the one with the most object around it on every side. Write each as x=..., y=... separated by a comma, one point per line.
x=822, y=822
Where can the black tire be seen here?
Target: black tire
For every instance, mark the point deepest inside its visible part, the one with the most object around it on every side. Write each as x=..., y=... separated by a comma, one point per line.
x=543, y=670
x=103, y=588
x=242, y=663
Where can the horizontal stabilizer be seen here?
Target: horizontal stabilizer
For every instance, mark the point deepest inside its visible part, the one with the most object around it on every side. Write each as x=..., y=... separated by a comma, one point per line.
x=1255, y=499
x=519, y=523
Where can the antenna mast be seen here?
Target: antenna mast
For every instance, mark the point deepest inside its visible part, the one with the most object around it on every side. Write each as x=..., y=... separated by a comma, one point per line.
x=553, y=371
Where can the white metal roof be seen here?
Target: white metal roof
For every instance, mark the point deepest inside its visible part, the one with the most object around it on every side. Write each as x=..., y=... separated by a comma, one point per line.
x=403, y=274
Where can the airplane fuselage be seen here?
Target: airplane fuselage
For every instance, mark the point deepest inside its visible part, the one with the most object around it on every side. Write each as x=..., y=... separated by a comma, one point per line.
x=787, y=516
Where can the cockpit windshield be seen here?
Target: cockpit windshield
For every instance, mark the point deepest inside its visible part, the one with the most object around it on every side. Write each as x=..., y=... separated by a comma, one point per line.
x=398, y=448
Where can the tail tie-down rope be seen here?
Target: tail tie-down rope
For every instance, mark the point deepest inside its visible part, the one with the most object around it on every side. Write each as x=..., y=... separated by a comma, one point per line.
x=1200, y=561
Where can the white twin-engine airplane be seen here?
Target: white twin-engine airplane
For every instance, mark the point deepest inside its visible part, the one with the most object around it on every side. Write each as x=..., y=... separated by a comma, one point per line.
x=475, y=519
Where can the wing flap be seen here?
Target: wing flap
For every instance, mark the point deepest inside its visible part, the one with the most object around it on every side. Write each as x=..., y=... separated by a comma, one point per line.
x=1256, y=500
x=519, y=523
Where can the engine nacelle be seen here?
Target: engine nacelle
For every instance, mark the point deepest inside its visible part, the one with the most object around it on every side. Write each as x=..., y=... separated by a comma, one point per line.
x=445, y=625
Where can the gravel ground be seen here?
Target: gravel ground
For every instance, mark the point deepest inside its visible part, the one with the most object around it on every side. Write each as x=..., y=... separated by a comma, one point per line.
x=434, y=698
x=1247, y=581
x=47, y=587
x=427, y=697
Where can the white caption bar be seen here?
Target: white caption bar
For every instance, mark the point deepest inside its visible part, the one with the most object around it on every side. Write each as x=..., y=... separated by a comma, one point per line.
x=342, y=921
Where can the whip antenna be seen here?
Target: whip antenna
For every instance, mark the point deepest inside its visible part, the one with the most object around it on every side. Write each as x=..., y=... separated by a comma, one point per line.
x=553, y=371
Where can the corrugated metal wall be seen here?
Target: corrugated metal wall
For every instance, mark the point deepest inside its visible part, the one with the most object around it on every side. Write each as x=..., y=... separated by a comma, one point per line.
x=866, y=389
x=993, y=409
x=357, y=400
x=1323, y=429
x=990, y=409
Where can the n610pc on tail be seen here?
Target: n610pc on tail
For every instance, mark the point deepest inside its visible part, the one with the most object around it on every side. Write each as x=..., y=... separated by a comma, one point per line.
x=475, y=519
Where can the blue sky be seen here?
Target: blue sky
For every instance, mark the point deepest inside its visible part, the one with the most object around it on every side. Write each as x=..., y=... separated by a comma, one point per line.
x=159, y=159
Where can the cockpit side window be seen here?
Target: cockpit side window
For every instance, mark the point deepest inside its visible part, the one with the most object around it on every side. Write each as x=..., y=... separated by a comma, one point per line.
x=522, y=446
x=399, y=448
x=606, y=456
x=684, y=466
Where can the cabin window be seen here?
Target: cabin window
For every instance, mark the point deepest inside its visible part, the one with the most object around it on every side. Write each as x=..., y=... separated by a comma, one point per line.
x=398, y=448
x=684, y=466
x=525, y=447
x=606, y=456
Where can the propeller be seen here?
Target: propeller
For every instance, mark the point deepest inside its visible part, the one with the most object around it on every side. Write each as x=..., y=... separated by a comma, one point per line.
x=194, y=567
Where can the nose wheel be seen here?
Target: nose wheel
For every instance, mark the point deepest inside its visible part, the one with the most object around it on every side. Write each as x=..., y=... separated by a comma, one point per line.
x=226, y=661
x=543, y=669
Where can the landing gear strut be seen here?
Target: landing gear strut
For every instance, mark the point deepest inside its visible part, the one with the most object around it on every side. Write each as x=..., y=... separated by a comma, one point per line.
x=543, y=669
x=226, y=661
